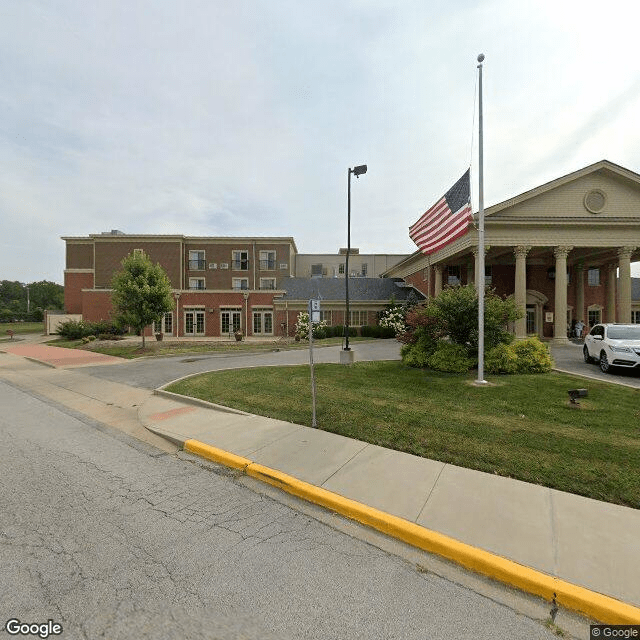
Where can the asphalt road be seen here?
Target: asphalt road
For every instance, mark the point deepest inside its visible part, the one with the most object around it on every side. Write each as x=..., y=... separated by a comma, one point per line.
x=153, y=373
x=113, y=539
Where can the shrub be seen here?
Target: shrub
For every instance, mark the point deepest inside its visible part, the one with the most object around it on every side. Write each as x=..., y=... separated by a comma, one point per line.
x=533, y=356
x=77, y=329
x=501, y=359
x=450, y=357
x=73, y=329
x=393, y=319
x=387, y=332
x=302, y=326
x=106, y=327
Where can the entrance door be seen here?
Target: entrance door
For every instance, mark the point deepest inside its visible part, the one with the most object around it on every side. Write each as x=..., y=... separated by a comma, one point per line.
x=194, y=323
x=230, y=321
x=531, y=319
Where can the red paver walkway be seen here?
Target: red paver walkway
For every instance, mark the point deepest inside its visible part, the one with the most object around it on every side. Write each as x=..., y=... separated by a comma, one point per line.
x=59, y=357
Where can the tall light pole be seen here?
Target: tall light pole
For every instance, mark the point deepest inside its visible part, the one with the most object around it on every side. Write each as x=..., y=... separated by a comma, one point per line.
x=357, y=172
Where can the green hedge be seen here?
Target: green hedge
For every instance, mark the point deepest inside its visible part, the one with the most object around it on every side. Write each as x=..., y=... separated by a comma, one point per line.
x=78, y=329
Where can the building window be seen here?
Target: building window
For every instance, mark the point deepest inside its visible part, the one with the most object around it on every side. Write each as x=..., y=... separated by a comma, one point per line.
x=341, y=269
x=364, y=269
x=194, y=322
x=229, y=321
x=326, y=317
x=197, y=261
x=267, y=283
x=358, y=318
x=453, y=275
x=263, y=322
x=267, y=260
x=488, y=274
x=138, y=252
x=593, y=277
x=196, y=283
x=166, y=325
x=240, y=260
x=316, y=271
x=240, y=284
x=635, y=317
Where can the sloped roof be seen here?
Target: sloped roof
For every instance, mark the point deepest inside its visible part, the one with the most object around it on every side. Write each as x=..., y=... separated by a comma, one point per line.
x=604, y=166
x=360, y=289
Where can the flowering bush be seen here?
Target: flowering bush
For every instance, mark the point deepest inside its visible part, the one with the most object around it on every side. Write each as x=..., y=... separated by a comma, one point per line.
x=302, y=327
x=393, y=318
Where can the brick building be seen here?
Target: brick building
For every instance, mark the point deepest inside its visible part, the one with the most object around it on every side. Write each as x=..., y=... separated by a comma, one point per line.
x=219, y=284
x=563, y=249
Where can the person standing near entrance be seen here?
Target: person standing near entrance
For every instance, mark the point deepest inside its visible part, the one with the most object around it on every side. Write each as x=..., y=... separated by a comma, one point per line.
x=579, y=328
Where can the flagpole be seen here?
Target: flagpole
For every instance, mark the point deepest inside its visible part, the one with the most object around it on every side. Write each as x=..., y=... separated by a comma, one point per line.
x=481, y=275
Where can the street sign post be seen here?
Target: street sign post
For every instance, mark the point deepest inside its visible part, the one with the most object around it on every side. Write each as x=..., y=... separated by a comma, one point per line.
x=314, y=316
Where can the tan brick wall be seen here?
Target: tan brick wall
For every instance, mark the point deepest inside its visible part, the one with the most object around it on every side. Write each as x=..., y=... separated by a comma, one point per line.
x=73, y=285
x=110, y=253
x=79, y=255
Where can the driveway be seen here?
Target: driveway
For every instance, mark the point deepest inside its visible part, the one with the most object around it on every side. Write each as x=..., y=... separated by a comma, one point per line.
x=150, y=373
x=569, y=359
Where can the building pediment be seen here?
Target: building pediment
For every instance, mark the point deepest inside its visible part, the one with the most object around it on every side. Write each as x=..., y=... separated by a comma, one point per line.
x=600, y=192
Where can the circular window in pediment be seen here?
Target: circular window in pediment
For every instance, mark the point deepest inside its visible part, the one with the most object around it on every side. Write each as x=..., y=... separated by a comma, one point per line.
x=595, y=201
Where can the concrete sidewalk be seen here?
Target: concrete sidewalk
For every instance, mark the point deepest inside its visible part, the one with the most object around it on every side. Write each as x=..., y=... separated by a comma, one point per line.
x=593, y=544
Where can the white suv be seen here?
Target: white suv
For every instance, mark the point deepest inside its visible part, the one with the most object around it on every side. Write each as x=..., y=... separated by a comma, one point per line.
x=613, y=345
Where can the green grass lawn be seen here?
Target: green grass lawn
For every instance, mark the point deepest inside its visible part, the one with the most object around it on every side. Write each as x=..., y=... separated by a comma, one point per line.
x=20, y=327
x=168, y=348
x=521, y=426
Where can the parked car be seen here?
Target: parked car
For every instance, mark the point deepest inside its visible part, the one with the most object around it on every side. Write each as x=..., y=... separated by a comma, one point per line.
x=613, y=345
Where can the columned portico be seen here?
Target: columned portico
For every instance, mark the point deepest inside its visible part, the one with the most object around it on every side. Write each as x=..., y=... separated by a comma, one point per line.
x=560, y=320
x=565, y=241
x=624, y=290
x=520, y=293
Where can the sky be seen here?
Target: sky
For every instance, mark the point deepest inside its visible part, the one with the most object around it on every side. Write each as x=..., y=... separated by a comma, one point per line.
x=219, y=118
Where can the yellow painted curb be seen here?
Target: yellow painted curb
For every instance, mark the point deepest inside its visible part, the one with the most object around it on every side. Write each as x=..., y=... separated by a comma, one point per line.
x=574, y=597
x=215, y=454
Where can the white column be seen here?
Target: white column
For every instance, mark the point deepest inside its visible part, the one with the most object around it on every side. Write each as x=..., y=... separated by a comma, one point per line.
x=560, y=324
x=520, y=292
x=624, y=284
x=579, y=311
x=438, y=279
x=610, y=314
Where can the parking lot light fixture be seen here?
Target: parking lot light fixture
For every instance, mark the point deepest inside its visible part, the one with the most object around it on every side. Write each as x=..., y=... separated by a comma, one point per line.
x=357, y=172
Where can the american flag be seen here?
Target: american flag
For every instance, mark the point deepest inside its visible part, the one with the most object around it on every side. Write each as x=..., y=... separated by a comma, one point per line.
x=446, y=221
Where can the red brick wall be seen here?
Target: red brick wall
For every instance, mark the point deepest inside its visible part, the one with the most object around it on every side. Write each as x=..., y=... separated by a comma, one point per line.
x=215, y=301
x=223, y=254
x=110, y=253
x=96, y=306
x=417, y=279
x=73, y=285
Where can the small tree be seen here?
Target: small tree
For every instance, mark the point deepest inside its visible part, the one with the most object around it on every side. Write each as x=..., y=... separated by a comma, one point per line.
x=141, y=293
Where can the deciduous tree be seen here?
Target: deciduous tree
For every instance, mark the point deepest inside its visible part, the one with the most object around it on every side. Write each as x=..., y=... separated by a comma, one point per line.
x=141, y=293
